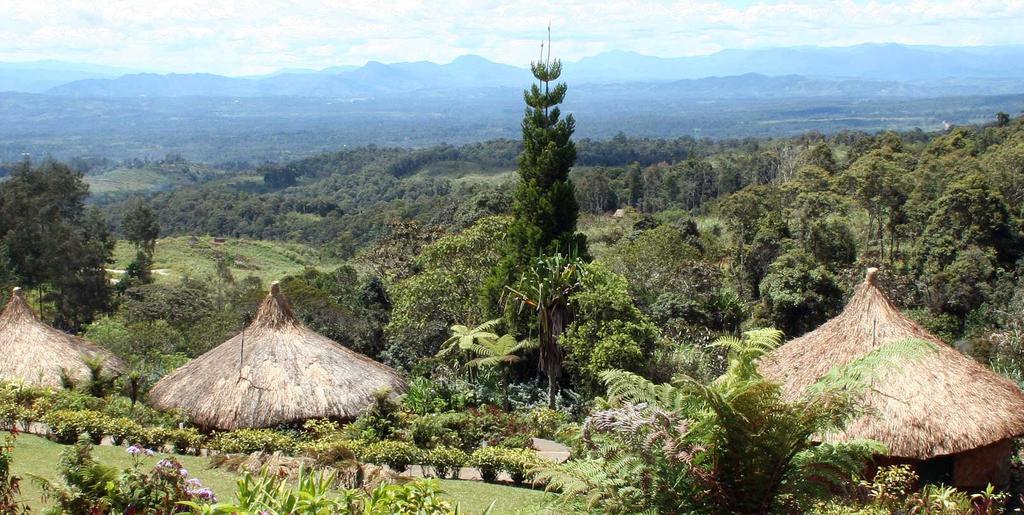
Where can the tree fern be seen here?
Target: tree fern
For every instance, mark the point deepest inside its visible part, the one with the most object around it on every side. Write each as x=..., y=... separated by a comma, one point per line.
x=735, y=445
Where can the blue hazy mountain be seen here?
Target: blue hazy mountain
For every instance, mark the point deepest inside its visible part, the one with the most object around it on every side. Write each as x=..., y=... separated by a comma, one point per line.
x=373, y=78
x=39, y=76
x=869, y=61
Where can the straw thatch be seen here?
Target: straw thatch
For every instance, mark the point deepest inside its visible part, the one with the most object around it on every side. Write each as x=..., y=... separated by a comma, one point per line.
x=36, y=354
x=931, y=405
x=275, y=371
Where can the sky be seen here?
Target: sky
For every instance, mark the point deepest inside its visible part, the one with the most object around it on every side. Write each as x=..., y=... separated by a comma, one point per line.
x=244, y=37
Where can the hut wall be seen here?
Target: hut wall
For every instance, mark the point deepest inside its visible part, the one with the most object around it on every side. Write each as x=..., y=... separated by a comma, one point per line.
x=976, y=468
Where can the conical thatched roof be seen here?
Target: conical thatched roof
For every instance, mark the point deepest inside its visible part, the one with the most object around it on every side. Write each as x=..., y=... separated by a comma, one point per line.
x=275, y=371
x=932, y=405
x=35, y=353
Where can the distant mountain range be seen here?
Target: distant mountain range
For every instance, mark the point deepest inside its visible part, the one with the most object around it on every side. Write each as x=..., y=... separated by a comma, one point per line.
x=882, y=69
x=892, y=62
x=40, y=76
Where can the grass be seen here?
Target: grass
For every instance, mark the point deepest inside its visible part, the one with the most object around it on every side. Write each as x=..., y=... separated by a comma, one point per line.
x=35, y=456
x=268, y=260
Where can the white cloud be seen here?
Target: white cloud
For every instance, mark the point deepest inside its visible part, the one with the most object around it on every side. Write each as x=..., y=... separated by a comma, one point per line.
x=255, y=36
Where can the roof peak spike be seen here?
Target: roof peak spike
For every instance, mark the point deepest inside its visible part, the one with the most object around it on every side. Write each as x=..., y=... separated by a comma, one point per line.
x=869, y=277
x=275, y=288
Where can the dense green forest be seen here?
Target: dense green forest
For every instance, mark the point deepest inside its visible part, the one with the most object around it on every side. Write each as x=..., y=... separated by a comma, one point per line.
x=769, y=224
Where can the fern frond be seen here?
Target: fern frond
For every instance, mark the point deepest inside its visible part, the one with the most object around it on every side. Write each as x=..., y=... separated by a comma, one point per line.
x=859, y=374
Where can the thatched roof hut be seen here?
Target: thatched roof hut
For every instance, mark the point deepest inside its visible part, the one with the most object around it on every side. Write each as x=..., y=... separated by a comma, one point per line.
x=275, y=371
x=942, y=411
x=36, y=354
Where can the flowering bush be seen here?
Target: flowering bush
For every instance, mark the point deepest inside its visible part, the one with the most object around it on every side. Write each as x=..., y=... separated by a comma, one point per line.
x=161, y=490
x=92, y=487
x=446, y=461
x=394, y=454
x=248, y=441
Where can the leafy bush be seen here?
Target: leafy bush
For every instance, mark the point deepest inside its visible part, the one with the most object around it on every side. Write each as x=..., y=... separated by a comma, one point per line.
x=184, y=440
x=429, y=431
x=313, y=494
x=516, y=442
x=893, y=490
x=381, y=422
x=248, y=441
x=11, y=414
x=517, y=463
x=320, y=428
x=446, y=461
x=153, y=437
x=68, y=425
x=488, y=460
x=545, y=422
x=394, y=454
x=125, y=430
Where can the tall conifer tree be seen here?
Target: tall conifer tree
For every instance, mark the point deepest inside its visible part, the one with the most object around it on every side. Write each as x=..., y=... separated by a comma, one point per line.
x=545, y=206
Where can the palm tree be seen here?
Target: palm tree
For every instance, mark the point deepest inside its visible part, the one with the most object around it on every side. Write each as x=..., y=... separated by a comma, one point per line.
x=546, y=289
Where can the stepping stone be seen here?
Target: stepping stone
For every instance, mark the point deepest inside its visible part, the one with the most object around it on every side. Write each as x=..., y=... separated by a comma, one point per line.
x=551, y=450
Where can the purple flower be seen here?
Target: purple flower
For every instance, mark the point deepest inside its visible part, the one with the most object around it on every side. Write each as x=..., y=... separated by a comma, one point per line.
x=194, y=483
x=136, y=450
x=203, y=493
x=183, y=472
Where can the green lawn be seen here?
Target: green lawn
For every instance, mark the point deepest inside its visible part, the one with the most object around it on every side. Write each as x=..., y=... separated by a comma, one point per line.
x=268, y=260
x=35, y=456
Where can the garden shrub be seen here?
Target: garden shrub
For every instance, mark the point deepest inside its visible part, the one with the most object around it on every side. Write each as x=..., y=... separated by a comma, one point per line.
x=184, y=440
x=68, y=425
x=545, y=422
x=489, y=461
x=383, y=421
x=429, y=431
x=153, y=437
x=320, y=428
x=314, y=493
x=467, y=429
x=519, y=464
x=125, y=430
x=396, y=455
x=446, y=461
x=248, y=441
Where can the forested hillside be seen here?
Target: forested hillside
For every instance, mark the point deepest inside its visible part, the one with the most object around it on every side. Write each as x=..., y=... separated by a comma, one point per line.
x=545, y=287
